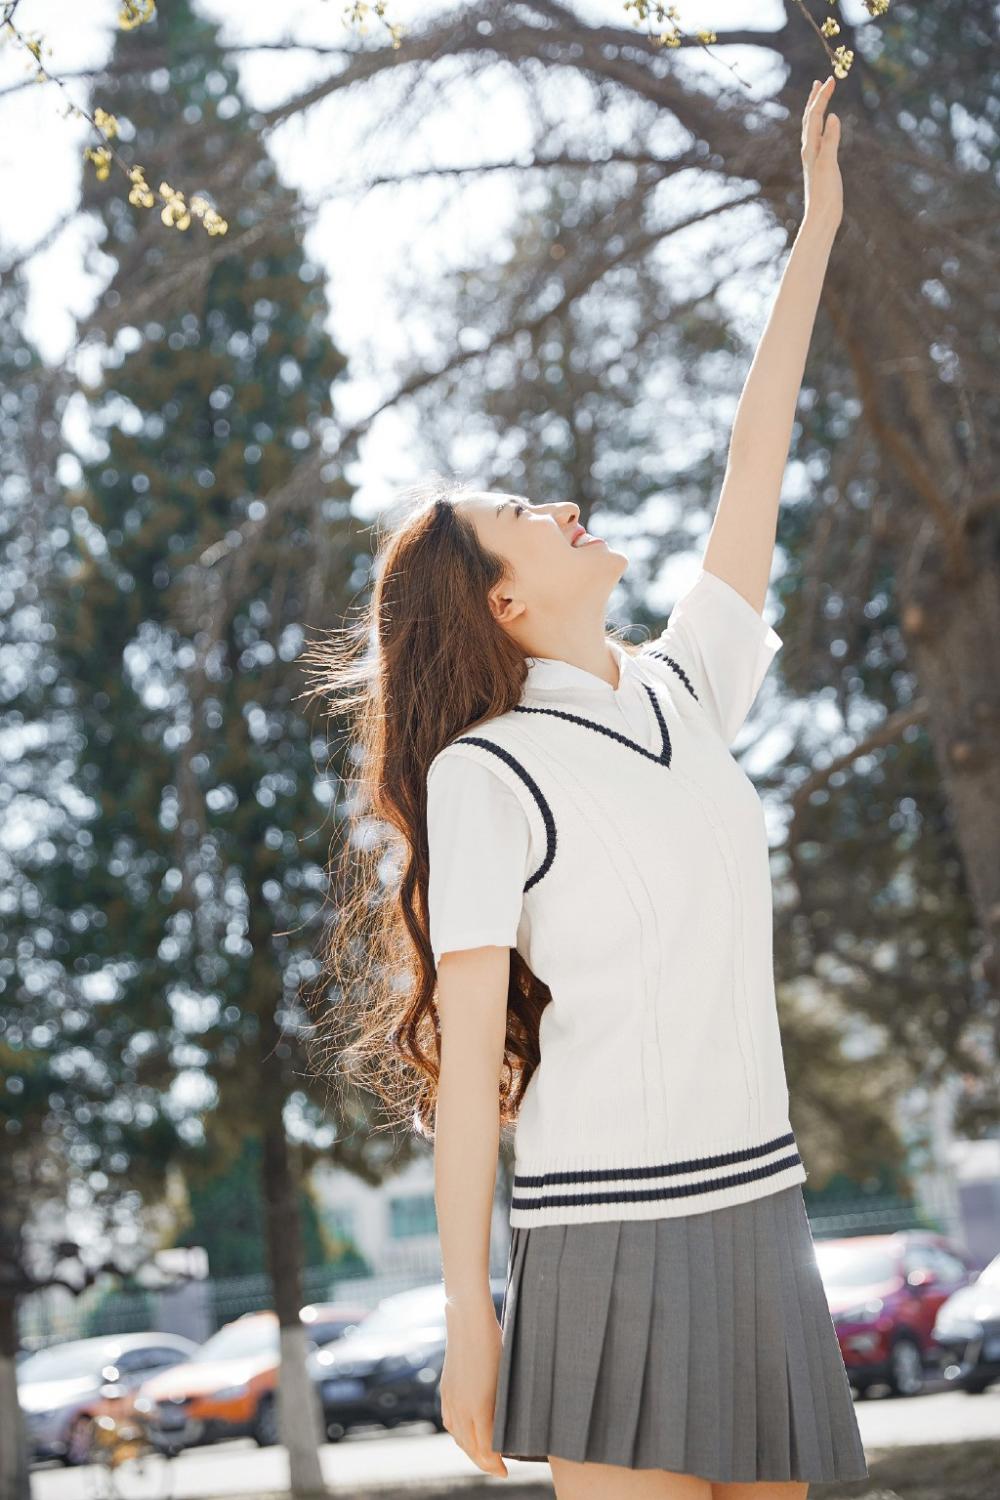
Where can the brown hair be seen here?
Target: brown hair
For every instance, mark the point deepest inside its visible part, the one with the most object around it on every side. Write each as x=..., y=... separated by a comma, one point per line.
x=425, y=661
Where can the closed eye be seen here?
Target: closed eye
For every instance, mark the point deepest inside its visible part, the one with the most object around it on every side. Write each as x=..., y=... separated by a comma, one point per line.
x=514, y=505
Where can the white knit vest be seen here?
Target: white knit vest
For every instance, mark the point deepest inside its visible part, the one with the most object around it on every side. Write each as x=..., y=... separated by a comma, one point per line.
x=661, y=1090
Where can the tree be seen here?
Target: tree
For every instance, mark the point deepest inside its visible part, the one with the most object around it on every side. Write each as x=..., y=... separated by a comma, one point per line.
x=82, y=1100
x=891, y=593
x=578, y=406
x=203, y=768
x=226, y=1216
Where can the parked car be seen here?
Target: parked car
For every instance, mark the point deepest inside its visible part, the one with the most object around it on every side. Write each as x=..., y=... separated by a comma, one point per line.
x=60, y=1388
x=967, y=1331
x=884, y=1292
x=328, y=1321
x=388, y=1371
x=228, y=1387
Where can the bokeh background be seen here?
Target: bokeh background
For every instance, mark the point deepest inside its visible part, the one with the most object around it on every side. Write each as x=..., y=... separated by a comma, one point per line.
x=524, y=244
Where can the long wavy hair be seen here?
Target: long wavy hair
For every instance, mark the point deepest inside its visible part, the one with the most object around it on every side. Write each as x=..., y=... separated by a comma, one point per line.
x=424, y=661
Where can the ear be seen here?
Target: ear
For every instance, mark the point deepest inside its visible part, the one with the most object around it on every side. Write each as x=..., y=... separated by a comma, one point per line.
x=504, y=607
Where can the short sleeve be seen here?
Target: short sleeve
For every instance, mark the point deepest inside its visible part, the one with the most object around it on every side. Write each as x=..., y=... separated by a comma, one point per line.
x=479, y=846
x=720, y=647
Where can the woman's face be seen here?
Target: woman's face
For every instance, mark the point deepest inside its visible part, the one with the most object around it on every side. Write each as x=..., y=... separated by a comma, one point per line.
x=550, y=572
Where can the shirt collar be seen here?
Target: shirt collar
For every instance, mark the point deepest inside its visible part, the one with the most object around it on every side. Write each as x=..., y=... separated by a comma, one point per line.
x=549, y=674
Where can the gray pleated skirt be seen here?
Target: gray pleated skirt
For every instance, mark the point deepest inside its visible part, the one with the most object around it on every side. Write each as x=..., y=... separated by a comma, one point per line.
x=701, y=1344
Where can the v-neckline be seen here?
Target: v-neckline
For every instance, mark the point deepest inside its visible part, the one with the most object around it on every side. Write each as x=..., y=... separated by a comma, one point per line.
x=662, y=759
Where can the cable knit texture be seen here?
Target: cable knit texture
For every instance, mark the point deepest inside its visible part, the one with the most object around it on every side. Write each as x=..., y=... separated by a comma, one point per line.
x=610, y=836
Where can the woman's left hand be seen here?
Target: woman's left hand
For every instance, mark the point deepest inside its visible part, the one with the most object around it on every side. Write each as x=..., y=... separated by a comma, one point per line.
x=824, y=197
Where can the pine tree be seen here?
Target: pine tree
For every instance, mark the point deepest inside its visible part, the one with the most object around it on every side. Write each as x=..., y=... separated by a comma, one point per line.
x=204, y=876
x=83, y=1080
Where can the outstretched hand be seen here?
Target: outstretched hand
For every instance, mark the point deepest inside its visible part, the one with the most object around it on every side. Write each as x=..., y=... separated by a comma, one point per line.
x=824, y=197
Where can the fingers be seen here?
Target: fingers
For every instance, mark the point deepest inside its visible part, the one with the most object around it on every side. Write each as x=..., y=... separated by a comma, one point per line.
x=482, y=1442
x=475, y=1438
x=819, y=97
x=812, y=116
x=484, y=1457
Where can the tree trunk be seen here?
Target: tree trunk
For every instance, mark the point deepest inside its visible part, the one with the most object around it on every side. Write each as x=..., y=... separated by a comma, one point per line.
x=953, y=633
x=300, y=1422
x=947, y=582
x=14, y=1481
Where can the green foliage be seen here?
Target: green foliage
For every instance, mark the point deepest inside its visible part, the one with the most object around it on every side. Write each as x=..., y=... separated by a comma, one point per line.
x=200, y=768
x=227, y=1219
x=147, y=985
x=81, y=1072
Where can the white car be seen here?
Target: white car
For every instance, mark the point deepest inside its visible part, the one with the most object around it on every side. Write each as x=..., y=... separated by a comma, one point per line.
x=968, y=1329
x=59, y=1388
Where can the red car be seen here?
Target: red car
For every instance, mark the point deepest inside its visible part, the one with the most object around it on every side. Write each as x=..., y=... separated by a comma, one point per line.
x=884, y=1291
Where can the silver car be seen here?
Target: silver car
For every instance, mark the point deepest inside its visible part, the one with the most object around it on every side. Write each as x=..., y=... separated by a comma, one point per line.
x=59, y=1388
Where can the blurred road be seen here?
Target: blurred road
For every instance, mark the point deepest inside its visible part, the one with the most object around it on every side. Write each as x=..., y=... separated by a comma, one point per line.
x=412, y=1452
x=415, y=1452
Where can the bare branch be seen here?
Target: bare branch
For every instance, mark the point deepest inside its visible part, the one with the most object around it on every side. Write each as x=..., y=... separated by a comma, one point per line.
x=887, y=733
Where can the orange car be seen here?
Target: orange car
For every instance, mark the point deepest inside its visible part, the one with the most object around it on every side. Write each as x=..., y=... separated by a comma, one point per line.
x=227, y=1388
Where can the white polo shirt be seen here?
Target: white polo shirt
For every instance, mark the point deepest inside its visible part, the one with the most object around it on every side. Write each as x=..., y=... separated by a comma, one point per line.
x=609, y=835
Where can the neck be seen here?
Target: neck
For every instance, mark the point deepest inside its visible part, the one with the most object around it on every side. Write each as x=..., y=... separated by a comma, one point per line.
x=598, y=658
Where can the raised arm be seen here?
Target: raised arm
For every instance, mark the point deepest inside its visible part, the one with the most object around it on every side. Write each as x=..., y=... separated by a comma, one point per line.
x=741, y=542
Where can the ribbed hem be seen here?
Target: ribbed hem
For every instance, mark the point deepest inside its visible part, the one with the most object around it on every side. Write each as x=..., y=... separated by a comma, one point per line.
x=595, y=1189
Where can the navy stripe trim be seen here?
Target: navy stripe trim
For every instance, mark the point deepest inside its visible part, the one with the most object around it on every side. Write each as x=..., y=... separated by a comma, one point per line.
x=647, y=1195
x=662, y=759
x=662, y=656
x=536, y=792
x=664, y=1169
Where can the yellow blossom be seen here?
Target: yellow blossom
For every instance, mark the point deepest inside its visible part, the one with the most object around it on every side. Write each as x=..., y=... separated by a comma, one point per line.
x=175, y=212
x=106, y=122
x=842, y=59
x=357, y=14
x=101, y=157
x=140, y=194
x=213, y=222
x=134, y=12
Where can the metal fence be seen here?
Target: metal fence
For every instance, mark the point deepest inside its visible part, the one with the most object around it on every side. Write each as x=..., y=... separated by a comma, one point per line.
x=875, y=1215
x=197, y=1309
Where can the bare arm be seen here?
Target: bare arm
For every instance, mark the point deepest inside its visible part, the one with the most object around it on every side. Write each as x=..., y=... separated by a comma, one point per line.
x=472, y=1004
x=741, y=542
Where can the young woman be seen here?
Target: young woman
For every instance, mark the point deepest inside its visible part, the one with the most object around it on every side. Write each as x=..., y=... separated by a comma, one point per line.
x=584, y=908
